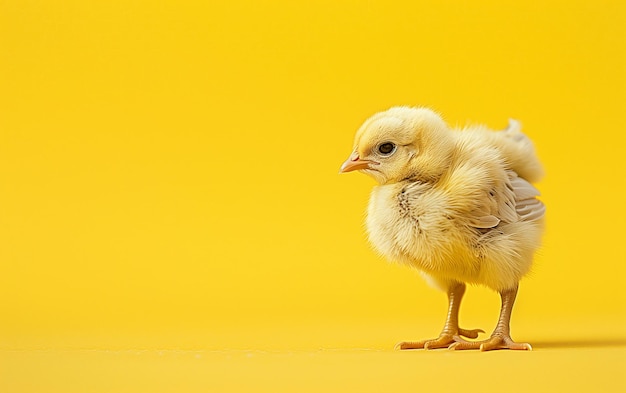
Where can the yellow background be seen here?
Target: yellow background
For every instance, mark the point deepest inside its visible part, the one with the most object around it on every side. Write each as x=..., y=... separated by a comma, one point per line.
x=168, y=181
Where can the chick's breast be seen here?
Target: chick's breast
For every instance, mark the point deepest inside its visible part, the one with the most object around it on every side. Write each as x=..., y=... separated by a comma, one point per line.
x=412, y=223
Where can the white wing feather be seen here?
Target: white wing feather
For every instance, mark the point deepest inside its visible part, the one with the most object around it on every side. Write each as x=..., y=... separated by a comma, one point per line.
x=514, y=201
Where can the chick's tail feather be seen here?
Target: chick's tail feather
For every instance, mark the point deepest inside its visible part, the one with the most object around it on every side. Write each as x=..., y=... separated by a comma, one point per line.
x=518, y=151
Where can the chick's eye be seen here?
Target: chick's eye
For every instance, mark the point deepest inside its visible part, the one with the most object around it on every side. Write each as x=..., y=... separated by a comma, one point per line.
x=386, y=148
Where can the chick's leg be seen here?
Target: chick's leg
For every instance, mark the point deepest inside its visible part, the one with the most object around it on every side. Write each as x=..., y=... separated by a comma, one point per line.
x=501, y=336
x=451, y=330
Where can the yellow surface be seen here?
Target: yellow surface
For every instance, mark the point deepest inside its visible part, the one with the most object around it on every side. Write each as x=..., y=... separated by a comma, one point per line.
x=171, y=213
x=321, y=371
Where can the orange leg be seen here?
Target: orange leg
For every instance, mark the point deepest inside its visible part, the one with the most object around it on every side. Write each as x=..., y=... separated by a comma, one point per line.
x=451, y=331
x=501, y=337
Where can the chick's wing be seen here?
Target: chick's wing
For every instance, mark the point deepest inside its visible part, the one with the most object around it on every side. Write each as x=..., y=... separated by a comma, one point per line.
x=509, y=201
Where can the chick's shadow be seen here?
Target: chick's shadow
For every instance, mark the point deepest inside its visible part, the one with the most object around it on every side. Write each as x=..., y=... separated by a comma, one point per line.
x=581, y=343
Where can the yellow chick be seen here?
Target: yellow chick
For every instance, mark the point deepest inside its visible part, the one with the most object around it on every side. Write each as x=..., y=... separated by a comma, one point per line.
x=455, y=204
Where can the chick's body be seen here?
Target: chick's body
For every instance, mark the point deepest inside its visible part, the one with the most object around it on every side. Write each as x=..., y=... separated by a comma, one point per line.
x=455, y=204
x=435, y=226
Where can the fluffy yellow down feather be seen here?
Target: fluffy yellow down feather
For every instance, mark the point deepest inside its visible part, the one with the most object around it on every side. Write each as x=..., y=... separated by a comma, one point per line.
x=457, y=204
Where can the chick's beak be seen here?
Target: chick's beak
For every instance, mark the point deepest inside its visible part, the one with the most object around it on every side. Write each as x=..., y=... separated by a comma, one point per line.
x=354, y=163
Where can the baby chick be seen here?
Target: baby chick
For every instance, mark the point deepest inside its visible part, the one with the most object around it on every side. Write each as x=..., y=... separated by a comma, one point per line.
x=455, y=204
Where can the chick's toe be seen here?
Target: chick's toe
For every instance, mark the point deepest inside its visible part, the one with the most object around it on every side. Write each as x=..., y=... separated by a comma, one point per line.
x=444, y=340
x=494, y=342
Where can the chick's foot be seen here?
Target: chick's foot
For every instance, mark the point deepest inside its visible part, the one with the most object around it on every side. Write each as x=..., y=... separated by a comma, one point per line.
x=500, y=338
x=496, y=341
x=443, y=341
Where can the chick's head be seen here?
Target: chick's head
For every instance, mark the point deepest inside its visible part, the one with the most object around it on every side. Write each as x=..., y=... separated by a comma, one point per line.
x=401, y=143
